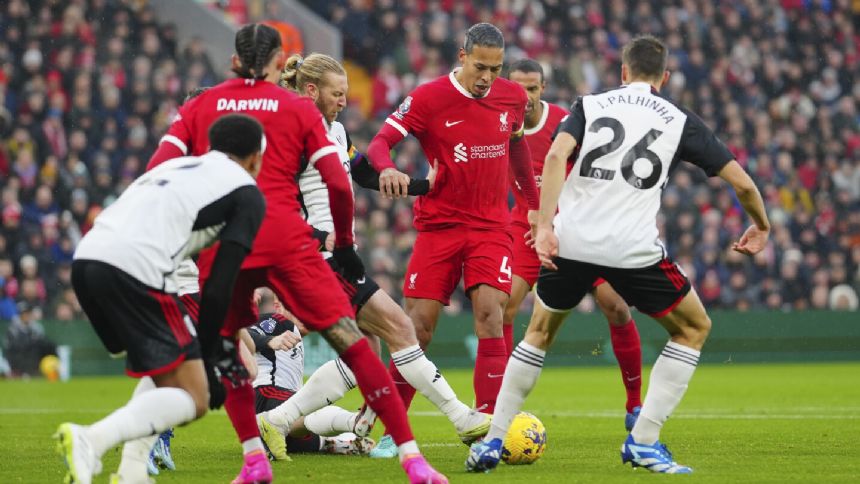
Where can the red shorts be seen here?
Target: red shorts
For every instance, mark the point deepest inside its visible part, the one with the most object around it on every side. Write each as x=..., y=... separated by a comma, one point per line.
x=302, y=280
x=441, y=257
x=526, y=263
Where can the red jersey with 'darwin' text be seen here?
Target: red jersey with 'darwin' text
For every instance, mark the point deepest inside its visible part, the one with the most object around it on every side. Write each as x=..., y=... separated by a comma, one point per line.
x=470, y=139
x=539, y=139
x=293, y=129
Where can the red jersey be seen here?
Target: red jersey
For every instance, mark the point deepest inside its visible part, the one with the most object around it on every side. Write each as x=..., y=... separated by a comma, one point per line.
x=470, y=139
x=293, y=130
x=539, y=139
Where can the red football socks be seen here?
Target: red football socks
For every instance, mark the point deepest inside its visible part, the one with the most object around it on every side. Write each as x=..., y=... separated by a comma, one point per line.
x=628, y=352
x=489, y=370
x=240, y=408
x=406, y=391
x=378, y=389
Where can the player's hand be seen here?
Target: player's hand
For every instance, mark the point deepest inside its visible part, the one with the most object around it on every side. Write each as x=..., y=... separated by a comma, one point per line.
x=752, y=241
x=284, y=341
x=217, y=392
x=228, y=365
x=393, y=183
x=531, y=235
x=329, y=242
x=546, y=245
x=349, y=262
x=431, y=174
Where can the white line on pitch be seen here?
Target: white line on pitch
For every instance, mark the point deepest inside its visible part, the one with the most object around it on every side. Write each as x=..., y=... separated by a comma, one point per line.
x=688, y=415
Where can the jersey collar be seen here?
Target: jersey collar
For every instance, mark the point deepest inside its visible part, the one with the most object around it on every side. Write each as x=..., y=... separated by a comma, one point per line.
x=542, y=121
x=461, y=89
x=642, y=86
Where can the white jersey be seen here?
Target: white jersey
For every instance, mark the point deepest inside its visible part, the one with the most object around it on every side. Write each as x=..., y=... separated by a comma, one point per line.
x=159, y=220
x=630, y=140
x=284, y=369
x=313, y=191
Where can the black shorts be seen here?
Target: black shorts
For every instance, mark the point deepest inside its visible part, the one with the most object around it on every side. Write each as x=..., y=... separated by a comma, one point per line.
x=149, y=325
x=359, y=292
x=654, y=290
x=268, y=397
x=191, y=301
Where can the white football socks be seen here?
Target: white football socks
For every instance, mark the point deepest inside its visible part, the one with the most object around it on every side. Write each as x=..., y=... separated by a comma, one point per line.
x=135, y=453
x=423, y=375
x=406, y=449
x=147, y=414
x=669, y=379
x=521, y=375
x=327, y=385
x=329, y=421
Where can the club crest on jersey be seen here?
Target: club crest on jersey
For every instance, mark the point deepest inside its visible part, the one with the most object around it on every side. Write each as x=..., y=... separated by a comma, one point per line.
x=503, y=122
x=404, y=107
x=412, y=278
x=268, y=325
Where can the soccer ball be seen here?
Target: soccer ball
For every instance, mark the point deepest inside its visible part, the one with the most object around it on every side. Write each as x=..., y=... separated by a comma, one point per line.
x=526, y=440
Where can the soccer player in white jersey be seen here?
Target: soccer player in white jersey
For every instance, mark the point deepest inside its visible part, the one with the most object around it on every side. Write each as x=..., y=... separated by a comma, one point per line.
x=631, y=138
x=324, y=80
x=122, y=275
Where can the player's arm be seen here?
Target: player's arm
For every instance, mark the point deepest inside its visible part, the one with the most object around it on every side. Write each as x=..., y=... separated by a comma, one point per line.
x=367, y=177
x=243, y=212
x=247, y=353
x=392, y=182
x=755, y=237
x=523, y=170
x=700, y=146
x=176, y=141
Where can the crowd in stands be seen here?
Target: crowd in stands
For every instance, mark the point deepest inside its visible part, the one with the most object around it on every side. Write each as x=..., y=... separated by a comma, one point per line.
x=87, y=87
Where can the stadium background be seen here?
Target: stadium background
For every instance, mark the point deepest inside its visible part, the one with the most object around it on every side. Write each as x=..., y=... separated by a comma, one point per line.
x=87, y=87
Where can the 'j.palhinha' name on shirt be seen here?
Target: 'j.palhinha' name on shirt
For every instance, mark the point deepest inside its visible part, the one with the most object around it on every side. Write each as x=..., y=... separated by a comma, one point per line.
x=648, y=102
x=259, y=104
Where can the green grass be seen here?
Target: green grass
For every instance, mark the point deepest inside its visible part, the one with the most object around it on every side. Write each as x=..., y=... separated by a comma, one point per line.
x=738, y=423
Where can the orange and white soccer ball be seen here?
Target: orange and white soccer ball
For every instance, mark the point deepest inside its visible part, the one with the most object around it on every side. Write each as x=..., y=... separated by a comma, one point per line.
x=526, y=440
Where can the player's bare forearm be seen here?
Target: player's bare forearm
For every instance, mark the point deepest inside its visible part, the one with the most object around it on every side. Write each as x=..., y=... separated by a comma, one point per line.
x=552, y=177
x=747, y=193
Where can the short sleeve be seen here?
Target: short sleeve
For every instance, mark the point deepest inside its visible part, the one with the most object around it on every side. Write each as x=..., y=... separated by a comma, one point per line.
x=701, y=147
x=409, y=116
x=574, y=123
x=248, y=209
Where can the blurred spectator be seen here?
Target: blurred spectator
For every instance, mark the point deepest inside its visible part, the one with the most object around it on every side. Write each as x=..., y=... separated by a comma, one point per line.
x=25, y=343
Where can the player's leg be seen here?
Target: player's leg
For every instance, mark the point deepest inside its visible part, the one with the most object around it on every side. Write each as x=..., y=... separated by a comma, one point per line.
x=663, y=292
x=625, y=345
x=382, y=316
x=150, y=326
x=519, y=289
x=306, y=290
x=558, y=292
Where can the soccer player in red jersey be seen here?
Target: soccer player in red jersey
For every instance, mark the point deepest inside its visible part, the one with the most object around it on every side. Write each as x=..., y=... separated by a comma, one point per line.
x=284, y=256
x=472, y=123
x=542, y=119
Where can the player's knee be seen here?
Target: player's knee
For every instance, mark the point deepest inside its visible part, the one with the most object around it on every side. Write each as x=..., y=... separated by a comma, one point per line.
x=617, y=312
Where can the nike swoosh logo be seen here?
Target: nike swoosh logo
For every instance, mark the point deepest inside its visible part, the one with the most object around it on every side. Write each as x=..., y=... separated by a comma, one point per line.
x=448, y=124
x=490, y=375
x=634, y=378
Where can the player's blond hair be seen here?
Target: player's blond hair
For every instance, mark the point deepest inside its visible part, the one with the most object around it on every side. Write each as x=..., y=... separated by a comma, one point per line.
x=299, y=72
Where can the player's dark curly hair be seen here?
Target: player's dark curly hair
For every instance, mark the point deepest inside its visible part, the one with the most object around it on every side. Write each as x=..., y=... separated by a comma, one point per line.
x=483, y=35
x=527, y=66
x=256, y=45
x=236, y=134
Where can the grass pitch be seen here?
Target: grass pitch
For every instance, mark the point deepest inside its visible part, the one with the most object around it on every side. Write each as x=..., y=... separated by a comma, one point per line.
x=737, y=423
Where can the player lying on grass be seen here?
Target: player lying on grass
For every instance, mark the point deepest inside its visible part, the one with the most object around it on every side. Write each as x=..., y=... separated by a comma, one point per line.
x=277, y=367
x=606, y=227
x=123, y=277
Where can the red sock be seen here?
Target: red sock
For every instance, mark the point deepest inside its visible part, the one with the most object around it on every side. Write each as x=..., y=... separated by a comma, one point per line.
x=378, y=389
x=489, y=370
x=508, y=332
x=406, y=391
x=241, y=410
x=628, y=352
